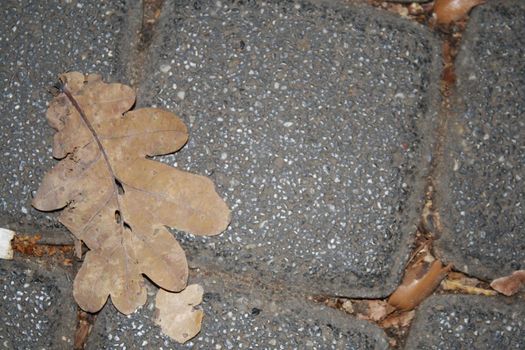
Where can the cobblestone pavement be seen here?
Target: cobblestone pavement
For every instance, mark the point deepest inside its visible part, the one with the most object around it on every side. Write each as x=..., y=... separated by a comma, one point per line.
x=321, y=124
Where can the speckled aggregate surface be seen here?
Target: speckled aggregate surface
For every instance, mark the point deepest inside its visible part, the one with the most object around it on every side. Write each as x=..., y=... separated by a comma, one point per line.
x=37, y=306
x=241, y=316
x=315, y=124
x=39, y=40
x=481, y=189
x=468, y=322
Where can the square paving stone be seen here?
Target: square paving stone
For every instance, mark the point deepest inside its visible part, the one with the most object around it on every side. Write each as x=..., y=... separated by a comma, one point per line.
x=314, y=121
x=468, y=322
x=37, y=310
x=481, y=191
x=241, y=316
x=39, y=40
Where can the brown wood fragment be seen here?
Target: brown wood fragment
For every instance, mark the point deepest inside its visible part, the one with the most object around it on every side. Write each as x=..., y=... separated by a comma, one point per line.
x=448, y=11
x=458, y=286
x=419, y=282
x=510, y=285
x=84, y=326
x=398, y=320
x=29, y=245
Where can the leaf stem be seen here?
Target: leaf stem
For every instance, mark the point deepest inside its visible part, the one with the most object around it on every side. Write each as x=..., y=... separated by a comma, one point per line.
x=86, y=121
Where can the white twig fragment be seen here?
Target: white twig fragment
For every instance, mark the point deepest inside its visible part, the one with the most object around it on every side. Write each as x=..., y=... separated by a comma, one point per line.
x=6, y=252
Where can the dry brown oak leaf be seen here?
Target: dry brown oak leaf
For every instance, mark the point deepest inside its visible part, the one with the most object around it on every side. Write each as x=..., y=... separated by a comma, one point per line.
x=176, y=313
x=115, y=199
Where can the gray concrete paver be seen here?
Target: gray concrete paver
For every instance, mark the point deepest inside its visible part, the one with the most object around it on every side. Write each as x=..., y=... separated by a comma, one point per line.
x=481, y=192
x=37, y=306
x=241, y=316
x=39, y=40
x=315, y=122
x=468, y=322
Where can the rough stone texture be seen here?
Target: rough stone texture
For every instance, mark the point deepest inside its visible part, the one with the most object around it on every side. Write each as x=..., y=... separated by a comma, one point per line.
x=481, y=192
x=37, y=310
x=468, y=322
x=314, y=123
x=241, y=316
x=39, y=40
